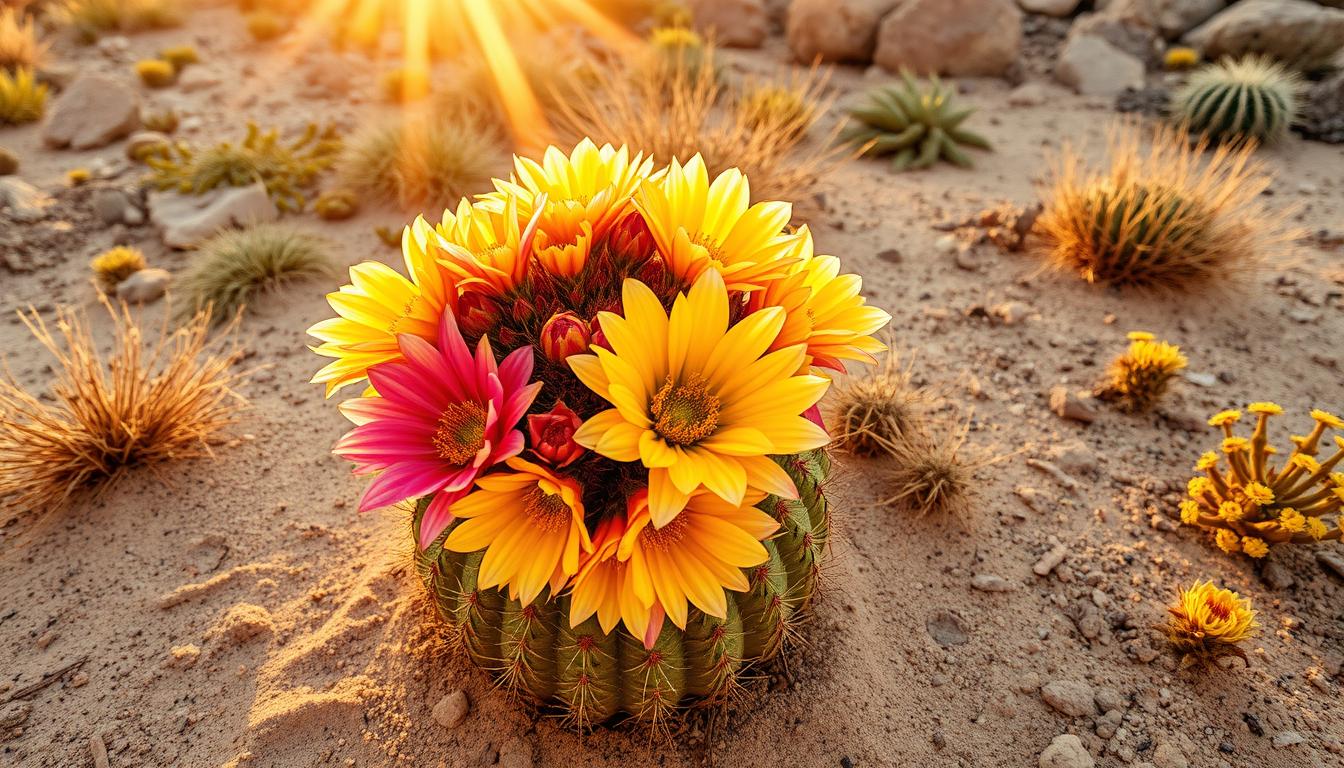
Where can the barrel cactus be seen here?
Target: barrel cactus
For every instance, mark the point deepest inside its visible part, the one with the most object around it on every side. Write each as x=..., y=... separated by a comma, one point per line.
x=916, y=126
x=594, y=675
x=1249, y=98
x=627, y=509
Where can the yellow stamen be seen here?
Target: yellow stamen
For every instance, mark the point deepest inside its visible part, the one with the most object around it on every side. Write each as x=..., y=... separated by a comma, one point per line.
x=685, y=414
x=461, y=433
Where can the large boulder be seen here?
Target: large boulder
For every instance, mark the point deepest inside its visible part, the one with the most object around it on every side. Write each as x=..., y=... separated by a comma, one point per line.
x=1133, y=34
x=733, y=23
x=1059, y=8
x=1172, y=18
x=835, y=30
x=950, y=37
x=94, y=111
x=1092, y=66
x=1297, y=32
x=188, y=220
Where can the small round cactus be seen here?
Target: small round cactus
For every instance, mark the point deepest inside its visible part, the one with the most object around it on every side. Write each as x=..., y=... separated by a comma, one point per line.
x=1137, y=379
x=156, y=73
x=916, y=126
x=112, y=266
x=1250, y=98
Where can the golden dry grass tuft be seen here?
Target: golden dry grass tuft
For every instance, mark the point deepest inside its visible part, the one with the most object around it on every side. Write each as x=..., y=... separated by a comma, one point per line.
x=420, y=164
x=22, y=98
x=19, y=43
x=672, y=112
x=930, y=474
x=875, y=413
x=1173, y=216
x=140, y=405
x=91, y=18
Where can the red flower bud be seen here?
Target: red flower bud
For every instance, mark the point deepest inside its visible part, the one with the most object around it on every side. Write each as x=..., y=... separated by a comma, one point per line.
x=552, y=435
x=630, y=239
x=476, y=314
x=598, y=338
x=563, y=335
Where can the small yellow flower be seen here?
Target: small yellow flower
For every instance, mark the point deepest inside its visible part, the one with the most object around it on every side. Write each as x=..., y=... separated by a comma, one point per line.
x=1207, y=461
x=1254, y=547
x=1205, y=615
x=1292, y=520
x=1234, y=444
x=1269, y=409
x=1198, y=486
x=1189, y=512
x=1140, y=336
x=1316, y=528
x=1227, y=541
x=1304, y=462
x=1335, y=477
x=1259, y=493
x=1224, y=418
x=1180, y=57
x=1327, y=418
x=1230, y=511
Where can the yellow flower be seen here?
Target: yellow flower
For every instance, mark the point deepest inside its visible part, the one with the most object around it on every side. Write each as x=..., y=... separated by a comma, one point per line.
x=1198, y=486
x=824, y=310
x=1304, y=462
x=1254, y=547
x=584, y=194
x=1189, y=512
x=696, y=401
x=1227, y=541
x=1259, y=493
x=1316, y=528
x=1230, y=511
x=1207, y=461
x=699, y=226
x=483, y=246
x=1328, y=419
x=1268, y=409
x=603, y=585
x=377, y=305
x=1204, y=615
x=1234, y=444
x=1140, y=336
x=1335, y=477
x=1223, y=418
x=696, y=555
x=1291, y=520
x=530, y=524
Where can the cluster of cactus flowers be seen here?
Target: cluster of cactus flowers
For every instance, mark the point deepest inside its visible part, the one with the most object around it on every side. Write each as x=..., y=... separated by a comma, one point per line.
x=1251, y=504
x=1207, y=622
x=628, y=506
x=1137, y=378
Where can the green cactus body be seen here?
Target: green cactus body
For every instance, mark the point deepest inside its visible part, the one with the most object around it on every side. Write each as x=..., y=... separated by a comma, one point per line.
x=1252, y=98
x=594, y=676
x=916, y=127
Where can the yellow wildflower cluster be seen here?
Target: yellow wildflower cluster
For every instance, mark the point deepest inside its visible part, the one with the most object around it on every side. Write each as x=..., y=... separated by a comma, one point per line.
x=1251, y=504
x=1136, y=379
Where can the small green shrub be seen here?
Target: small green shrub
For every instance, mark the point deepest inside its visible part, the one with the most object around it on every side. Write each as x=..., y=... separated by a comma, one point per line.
x=420, y=164
x=233, y=268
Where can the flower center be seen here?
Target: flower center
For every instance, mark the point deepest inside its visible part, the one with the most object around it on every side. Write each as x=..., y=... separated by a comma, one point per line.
x=461, y=433
x=711, y=246
x=685, y=414
x=546, y=511
x=667, y=537
x=1219, y=610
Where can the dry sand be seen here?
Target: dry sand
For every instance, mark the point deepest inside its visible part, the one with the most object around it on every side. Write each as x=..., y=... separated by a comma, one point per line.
x=244, y=614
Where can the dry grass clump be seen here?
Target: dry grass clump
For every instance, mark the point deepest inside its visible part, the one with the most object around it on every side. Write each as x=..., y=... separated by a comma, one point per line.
x=420, y=164
x=20, y=47
x=116, y=264
x=671, y=112
x=1137, y=378
x=874, y=414
x=140, y=405
x=928, y=473
x=234, y=267
x=91, y=18
x=22, y=98
x=1175, y=216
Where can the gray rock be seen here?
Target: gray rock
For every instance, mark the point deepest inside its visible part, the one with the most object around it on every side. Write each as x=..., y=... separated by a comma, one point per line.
x=1176, y=17
x=111, y=205
x=1066, y=751
x=950, y=37
x=1030, y=94
x=198, y=78
x=144, y=286
x=187, y=220
x=1108, y=723
x=1071, y=405
x=1277, y=575
x=451, y=710
x=1060, y=8
x=1072, y=697
x=988, y=582
x=835, y=30
x=25, y=202
x=947, y=629
x=1331, y=561
x=1109, y=699
x=1287, y=739
x=94, y=111
x=1297, y=32
x=1074, y=457
x=732, y=23
x=1093, y=67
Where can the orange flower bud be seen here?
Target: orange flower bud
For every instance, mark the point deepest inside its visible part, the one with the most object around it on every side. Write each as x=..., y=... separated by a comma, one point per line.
x=563, y=335
x=552, y=435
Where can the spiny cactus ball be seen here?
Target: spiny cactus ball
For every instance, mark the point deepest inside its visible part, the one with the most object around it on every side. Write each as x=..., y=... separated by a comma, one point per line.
x=1249, y=98
x=22, y=98
x=766, y=105
x=1137, y=379
x=1250, y=504
x=112, y=266
x=876, y=413
x=928, y=474
x=1169, y=216
x=336, y=204
x=918, y=126
x=156, y=73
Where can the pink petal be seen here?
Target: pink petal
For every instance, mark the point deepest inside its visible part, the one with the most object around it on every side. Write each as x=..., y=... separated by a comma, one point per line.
x=454, y=347
x=438, y=516
x=404, y=481
x=431, y=366
x=510, y=446
x=400, y=384
x=459, y=478
x=516, y=369
x=813, y=415
x=518, y=403
x=655, y=627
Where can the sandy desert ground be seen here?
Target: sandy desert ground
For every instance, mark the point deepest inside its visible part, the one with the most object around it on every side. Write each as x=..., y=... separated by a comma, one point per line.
x=239, y=612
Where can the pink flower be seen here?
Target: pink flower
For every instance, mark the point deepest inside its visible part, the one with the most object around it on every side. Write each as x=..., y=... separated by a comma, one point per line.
x=439, y=420
x=552, y=435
